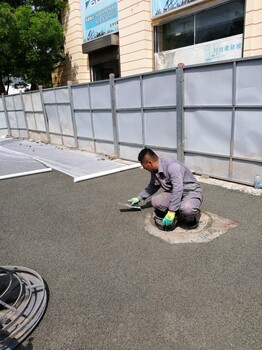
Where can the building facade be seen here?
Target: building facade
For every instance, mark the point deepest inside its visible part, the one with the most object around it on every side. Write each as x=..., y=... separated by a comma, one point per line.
x=128, y=37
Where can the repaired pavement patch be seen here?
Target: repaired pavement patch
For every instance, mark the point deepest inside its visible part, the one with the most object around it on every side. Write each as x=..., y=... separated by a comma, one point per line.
x=210, y=227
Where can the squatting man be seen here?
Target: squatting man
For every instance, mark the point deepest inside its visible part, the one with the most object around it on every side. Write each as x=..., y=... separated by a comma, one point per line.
x=181, y=197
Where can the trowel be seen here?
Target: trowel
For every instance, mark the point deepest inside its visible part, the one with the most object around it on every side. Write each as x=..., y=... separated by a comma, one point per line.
x=131, y=207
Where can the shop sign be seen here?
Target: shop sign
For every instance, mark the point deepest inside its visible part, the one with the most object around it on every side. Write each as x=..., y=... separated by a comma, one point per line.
x=99, y=17
x=212, y=51
x=161, y=6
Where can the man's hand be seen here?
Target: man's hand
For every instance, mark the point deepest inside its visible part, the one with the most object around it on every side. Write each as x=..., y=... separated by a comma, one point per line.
x=133, y=201
x=169, y=218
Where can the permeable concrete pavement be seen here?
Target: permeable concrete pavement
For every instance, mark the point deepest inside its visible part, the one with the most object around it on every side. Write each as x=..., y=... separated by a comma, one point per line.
x=113, y=285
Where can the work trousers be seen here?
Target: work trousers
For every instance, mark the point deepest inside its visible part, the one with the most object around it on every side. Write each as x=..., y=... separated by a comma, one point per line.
x=189, y=207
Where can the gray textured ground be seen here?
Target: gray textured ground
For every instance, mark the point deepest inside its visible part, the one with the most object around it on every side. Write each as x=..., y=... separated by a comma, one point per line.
x=115, y=286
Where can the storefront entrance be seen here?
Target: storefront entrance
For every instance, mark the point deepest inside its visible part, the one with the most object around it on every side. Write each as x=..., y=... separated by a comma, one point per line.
x=102, y=70
x=103, y=57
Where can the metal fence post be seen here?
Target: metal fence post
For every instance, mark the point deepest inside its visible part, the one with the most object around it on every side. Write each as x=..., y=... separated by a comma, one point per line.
x=142, y=111
x=180, y=112
x=58, y=118
x=92, y=117
x=14, y=110
x=44, y=113
x=72, y=109
x=24, y=112
x=233, y=120
x=6, y=116
x=114, y=116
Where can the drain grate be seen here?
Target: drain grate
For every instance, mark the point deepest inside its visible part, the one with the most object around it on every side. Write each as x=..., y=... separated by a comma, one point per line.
x=23, y=300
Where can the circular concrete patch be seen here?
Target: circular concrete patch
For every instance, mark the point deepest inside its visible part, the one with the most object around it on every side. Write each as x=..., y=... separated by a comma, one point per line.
x=210, y=227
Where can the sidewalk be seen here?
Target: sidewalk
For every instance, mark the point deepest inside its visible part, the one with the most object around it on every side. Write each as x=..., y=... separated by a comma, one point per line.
x=113, y=285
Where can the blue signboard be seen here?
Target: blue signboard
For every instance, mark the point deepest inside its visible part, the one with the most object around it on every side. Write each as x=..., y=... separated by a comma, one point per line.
x=162, y=6
x=99, y=17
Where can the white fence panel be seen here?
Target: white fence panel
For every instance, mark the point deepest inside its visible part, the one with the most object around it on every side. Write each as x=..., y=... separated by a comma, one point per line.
x=209, y=116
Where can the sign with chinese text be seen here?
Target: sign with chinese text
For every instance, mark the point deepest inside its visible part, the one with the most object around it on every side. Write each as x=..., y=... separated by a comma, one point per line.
x=212, y=51
x=161, y=6
x=99, y=17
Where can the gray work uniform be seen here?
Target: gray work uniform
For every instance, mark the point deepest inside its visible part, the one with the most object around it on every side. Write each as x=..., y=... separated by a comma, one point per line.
x=181, y=189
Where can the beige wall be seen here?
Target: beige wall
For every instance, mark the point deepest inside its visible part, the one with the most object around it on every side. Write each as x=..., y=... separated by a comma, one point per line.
x=253, y=28
x=75, y=68
x=135, y=36
x=136, y=39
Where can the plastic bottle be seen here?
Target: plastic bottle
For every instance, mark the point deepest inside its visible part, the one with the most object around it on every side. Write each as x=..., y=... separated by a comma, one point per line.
x=257, y=181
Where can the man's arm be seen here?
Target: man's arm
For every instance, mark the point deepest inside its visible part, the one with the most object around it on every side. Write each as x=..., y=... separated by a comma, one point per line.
x=176, y=173
x=150, y=189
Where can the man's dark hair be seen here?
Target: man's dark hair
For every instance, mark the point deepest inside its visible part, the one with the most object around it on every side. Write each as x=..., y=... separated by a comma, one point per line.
x=146, y=152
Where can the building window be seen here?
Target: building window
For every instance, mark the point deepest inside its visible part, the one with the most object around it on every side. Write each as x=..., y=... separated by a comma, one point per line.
x=178, y=33
x=212, y=24
x=220, y=22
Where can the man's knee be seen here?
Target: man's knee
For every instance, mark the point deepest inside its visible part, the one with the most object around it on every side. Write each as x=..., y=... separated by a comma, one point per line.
x=161, y=201
x=187, y=209
x=155, y=202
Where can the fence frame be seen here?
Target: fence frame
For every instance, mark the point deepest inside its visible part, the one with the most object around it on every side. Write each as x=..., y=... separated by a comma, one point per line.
x=112, y=114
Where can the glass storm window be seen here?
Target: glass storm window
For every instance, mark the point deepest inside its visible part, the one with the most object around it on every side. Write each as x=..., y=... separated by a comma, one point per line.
x=178, y=33
x=212, y=24
x=220, y=22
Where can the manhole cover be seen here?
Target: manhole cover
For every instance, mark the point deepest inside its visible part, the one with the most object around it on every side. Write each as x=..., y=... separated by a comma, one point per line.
x=210, y=227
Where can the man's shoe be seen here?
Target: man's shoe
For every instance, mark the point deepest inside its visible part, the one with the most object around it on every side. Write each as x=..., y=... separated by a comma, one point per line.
x=160, y=226
x=159, y=213
x=159, y=223
x=192, y=225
